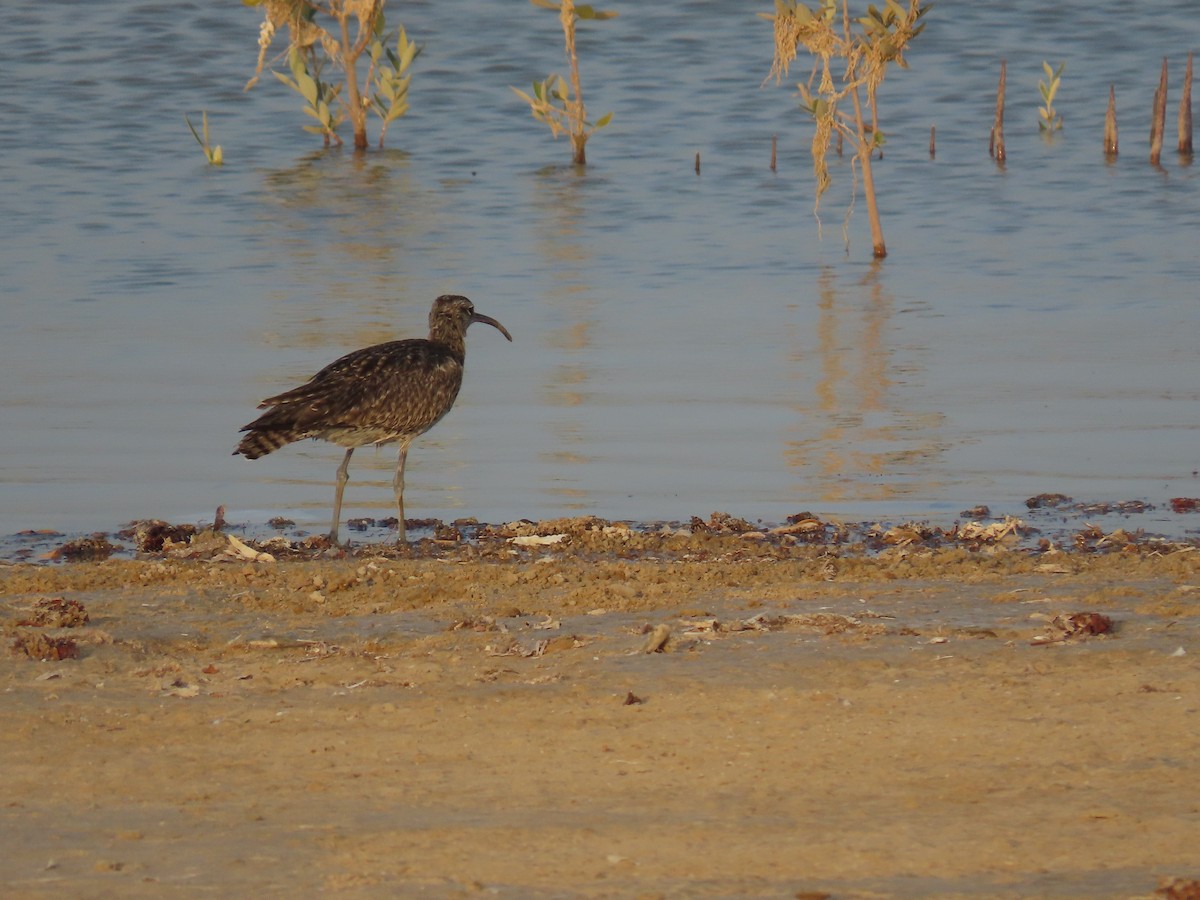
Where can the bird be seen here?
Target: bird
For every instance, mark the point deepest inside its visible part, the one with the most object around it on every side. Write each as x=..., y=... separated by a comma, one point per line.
x=387, y=393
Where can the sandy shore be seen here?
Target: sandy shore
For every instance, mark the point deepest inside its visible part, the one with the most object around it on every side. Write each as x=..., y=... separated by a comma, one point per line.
x=819, y=722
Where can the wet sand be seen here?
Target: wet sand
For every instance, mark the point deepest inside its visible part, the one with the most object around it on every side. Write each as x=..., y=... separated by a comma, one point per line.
x=494, y=719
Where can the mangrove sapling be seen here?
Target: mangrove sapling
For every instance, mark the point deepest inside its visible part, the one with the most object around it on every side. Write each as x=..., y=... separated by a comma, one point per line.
x=390, y=77
x=555, y=101
x=827, y=31
x=1050, y=121
x=320, y=96
x=319, y=34
x=213, y=154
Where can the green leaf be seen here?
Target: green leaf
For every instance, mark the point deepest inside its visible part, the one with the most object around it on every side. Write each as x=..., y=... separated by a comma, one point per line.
x=307, y=87
x=546, y=4
x=408, y=50
x=397, y=111
x=305, y=83
x=604, y=120
x=588, y=12
x=193, y=128
x=296, y=61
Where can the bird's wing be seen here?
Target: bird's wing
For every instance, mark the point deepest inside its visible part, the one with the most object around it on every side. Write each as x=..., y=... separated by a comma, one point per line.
x=401, y=384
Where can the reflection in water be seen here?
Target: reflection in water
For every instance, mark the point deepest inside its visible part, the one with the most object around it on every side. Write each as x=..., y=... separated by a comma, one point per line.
x=865, y=444
x=558, y=207
x=342, y=223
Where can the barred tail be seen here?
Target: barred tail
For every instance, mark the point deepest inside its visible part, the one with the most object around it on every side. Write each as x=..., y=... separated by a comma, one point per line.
x=260, y=443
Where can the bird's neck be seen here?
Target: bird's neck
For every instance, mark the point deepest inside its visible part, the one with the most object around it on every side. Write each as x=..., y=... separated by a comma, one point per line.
x=449, y=336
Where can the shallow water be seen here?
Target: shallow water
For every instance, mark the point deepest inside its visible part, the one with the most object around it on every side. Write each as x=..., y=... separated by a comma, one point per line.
x=683, y=343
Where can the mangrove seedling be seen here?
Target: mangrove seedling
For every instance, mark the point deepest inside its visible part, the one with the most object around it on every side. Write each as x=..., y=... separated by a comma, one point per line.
x=554, y=100
x=319, y=96
x=319, y=34
x=391, y=79
x=865, y=46
x=1050, y=120
x=213, y=154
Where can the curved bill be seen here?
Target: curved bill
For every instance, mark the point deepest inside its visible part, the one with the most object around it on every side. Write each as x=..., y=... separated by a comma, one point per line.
x=488, y=320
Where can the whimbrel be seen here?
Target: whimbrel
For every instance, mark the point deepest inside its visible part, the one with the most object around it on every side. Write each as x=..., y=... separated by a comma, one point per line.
x=383, y=394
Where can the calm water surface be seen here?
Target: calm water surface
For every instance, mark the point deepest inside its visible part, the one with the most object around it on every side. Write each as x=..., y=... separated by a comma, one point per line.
x=683, y=343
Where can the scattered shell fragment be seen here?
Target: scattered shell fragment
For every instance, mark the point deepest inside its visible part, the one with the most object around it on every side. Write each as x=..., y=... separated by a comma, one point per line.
x=180, y=688
x=537, y=540
x=802, y=526
x=239, y=549
x=657, y=639
x=995, y=531
x=537, y=648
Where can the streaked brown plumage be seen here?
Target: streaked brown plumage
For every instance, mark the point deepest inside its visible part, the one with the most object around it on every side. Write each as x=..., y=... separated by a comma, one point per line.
x=377, y=395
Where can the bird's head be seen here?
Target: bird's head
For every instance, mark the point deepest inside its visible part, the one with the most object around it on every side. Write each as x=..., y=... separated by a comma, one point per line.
x=453, y=314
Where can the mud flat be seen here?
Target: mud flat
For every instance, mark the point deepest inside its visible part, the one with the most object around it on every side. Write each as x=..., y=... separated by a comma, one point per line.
x=605, y=713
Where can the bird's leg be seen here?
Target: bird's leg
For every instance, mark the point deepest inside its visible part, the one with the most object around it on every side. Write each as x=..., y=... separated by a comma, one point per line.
x=343, y=475
x=398, y=487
